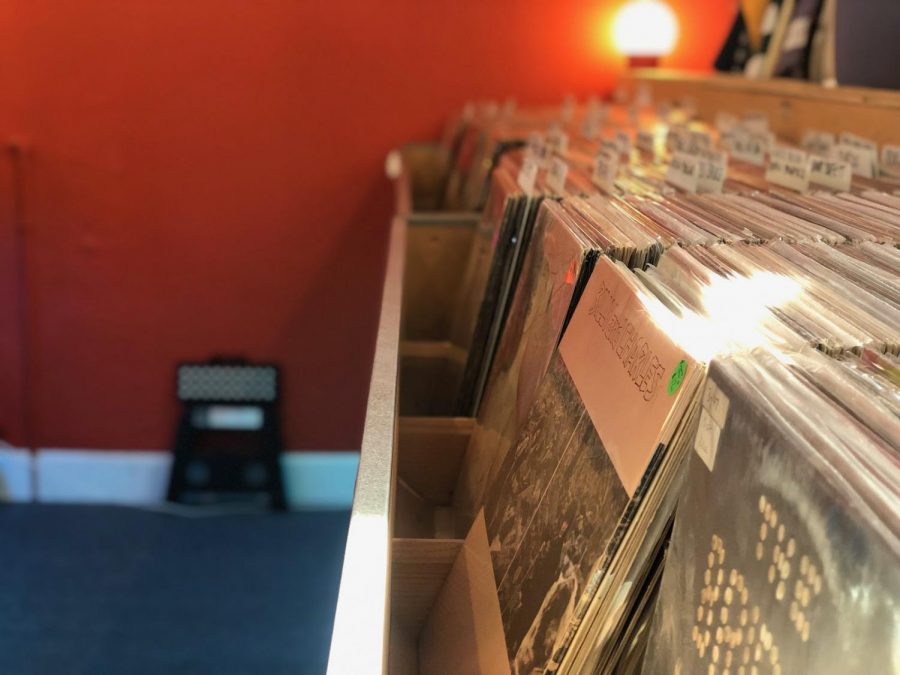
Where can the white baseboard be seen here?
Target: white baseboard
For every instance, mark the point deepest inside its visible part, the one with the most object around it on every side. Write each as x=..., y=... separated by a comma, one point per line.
x=313, y=480
x=16, y=474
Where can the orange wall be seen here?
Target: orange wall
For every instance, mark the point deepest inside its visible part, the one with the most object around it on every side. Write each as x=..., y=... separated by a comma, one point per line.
x=206, y=176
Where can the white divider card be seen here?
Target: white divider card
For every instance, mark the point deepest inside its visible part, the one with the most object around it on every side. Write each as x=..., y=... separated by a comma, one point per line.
x=818, y=142
x=713, y=169
x=846, y=138
x=535, y=144
x=557, y=141
x=725, y=121
x=749, y=147
x=528, y=174
x=698, y=141
x=609, y=145
x=830, y=173
x=556, y=175
x=678, y=138
x=788, y=167
x=890, y=160
x=606, y=166
x=757, y=122
x=623, y=141
x=859, y=159
x=590, y=128
x=491, y=110
x=644, y=141
x=684, y=171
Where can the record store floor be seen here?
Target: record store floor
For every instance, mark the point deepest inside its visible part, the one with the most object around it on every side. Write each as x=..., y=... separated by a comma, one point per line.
x=88, y=590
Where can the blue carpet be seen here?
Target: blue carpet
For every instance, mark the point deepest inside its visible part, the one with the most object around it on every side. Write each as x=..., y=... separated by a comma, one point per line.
x=105, y=590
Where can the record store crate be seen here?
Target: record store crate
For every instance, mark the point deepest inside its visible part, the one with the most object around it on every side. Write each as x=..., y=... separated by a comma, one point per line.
x=437, y=249
x=402, y=541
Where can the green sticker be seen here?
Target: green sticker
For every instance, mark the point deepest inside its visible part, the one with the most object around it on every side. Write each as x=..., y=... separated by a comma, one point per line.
x=677, y=376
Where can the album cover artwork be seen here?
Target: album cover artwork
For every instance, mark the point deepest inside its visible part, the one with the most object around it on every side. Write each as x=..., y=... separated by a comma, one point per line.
x=554, y=268
x=779, y=560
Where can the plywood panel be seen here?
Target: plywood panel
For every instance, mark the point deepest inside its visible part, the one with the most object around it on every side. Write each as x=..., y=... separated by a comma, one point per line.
x=792, y=106
x=429, y=454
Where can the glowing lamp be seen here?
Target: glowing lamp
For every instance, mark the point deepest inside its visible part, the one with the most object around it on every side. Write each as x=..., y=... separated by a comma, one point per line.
x=644, y=30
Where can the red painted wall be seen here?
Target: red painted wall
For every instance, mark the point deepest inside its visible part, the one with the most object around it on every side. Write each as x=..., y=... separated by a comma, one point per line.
x=206, y=176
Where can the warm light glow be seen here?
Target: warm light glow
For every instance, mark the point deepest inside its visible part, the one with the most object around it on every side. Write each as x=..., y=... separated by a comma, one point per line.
x=645, y=28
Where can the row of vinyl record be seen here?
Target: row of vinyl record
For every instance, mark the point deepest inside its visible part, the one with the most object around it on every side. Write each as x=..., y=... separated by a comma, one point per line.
x=687, y=405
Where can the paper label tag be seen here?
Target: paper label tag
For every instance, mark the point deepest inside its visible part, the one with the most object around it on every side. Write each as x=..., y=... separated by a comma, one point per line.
x=678, y=138
x=609, y=145
x=713, y=169
x=683, y=171
x=858, y=142
x=713, y=414
x=789, y=168
x=624, y=143
x=756, y=122
x=556, y=176
x=818, y=142
x=797, y=35
x=557, y=141
x=831, y=173
x=528, y=174
x=725, y=121
x=644, y=141
x=591, y=127
x=749, y=147
x=890, y=160
x=859, y=159
x=606, y=166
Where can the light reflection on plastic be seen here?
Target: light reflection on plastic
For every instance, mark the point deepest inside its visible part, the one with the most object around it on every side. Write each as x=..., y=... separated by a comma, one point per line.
x=738, y=312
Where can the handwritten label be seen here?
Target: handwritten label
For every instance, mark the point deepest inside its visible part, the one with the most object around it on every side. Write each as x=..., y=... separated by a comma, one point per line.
x=609, y=145
x=606, y=166
x=871, y=147
x=725, y=121
x=713, y=169
x=890, y=160
x=558, y=140
x=713, y=414
x=749, y=147
x=830, y=173
x=683, y=171
x=528, y=174
x=678, y=138
x=789, y=168
x=556, y=176
x=859, y=159
x=818, y=142
x=756, y=122
x=644, y=141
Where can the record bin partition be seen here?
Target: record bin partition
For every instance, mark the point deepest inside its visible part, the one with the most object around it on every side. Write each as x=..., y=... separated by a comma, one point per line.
x=401, y=542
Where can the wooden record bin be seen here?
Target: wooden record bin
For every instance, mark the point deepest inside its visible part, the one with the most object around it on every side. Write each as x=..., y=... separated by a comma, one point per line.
x=402, y=542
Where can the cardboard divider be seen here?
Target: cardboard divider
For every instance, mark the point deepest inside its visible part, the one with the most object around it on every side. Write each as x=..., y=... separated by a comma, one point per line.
x=430, y=376
x=445, y=613
x=429, y=454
